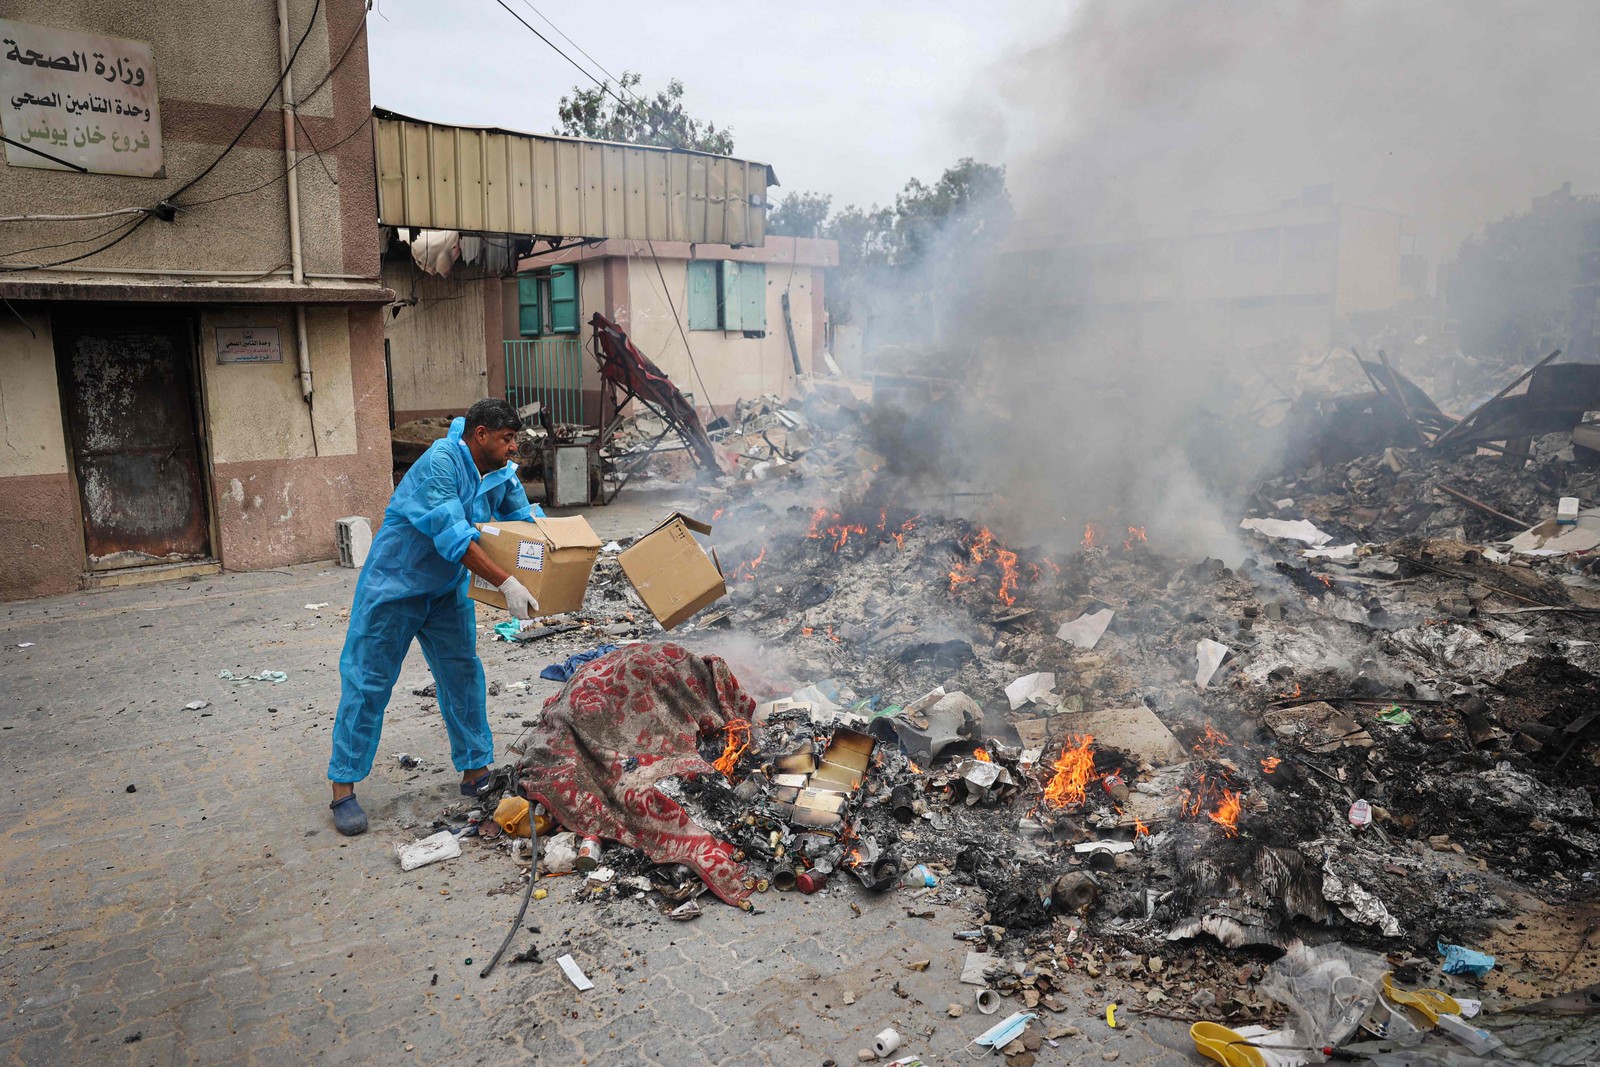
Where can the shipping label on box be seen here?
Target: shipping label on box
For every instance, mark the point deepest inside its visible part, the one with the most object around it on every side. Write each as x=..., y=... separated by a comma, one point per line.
x=671, y=572
x=552, y=557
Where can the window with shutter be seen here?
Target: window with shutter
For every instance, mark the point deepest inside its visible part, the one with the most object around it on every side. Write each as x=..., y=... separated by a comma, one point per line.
x=730, y=300
x=752, y=298
x=563, y=283
x=703, y=295
x=530, y=320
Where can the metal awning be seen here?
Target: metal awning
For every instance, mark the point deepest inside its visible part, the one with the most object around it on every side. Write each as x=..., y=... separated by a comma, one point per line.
x=480, y=179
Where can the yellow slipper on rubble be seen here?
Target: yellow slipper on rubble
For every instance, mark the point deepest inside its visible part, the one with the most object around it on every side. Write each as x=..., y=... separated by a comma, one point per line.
x=1216, y=1042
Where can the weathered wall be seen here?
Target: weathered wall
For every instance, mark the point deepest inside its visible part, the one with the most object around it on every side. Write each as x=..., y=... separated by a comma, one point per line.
x=273, y=511
x=439, y=346
x=255, y=411
x=39, y=535
x=726, y=366
x=214, y=63
x=1369, y=260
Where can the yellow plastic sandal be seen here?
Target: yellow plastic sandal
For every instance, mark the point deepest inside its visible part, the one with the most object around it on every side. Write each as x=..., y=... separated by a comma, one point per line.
x=1216, y=1042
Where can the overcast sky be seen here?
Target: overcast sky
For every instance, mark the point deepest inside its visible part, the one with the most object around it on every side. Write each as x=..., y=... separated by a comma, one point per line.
x=845, y=98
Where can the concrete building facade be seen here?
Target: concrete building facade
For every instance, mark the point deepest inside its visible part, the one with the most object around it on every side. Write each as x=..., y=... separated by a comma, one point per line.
x=725, y=323
x=191, y=351
x=1288, y=277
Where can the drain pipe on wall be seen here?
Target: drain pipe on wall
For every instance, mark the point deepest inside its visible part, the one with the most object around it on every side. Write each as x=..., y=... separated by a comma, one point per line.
x=296, y=261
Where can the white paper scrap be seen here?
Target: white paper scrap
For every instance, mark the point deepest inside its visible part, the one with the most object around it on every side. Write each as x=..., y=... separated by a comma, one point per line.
x=1085, y=631
x=1030, y=687
x=1336, y=552
x=1209, y=655
x=1296, y=530
x=575, y=974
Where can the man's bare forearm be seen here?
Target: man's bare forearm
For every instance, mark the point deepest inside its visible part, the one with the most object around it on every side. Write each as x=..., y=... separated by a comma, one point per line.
x=478, y=562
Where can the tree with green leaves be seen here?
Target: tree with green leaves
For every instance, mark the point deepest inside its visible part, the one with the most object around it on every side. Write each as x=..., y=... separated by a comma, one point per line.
x=800, y=215
x=614, y=112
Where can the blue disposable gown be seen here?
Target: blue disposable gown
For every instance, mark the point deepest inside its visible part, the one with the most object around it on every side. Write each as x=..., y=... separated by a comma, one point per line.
x=414, y=586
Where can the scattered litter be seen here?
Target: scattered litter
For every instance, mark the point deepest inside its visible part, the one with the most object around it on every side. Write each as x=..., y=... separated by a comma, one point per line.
x=275, y=677
x=574, y=974
x=1297, y=530
x=1209, y=655
x=1038, y=688
x=1086, y=630
x=563, y=671
x=196, y=705
x=317, y=607
x=24, y=644
x=1461, y=960
x=440, y=846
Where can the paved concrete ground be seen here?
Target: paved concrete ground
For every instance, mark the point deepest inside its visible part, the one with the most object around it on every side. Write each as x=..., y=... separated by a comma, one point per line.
x=214, y=916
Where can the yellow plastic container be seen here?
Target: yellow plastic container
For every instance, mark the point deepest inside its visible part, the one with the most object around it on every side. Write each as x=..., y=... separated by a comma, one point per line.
x=512, y=814
x=1216, y=1042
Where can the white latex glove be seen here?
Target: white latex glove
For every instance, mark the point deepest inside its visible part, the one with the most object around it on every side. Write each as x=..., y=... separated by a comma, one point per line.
x=519, y=601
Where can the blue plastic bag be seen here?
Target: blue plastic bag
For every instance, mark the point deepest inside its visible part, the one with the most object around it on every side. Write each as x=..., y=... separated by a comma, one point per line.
x=1460, y=960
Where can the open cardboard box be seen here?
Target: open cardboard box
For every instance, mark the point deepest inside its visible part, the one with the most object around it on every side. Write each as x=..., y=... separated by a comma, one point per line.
x=671, y=572
x=552, y=557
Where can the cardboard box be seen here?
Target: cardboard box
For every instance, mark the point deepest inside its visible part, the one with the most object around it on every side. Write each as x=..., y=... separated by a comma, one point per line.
x=552, y=557
x=671, y=572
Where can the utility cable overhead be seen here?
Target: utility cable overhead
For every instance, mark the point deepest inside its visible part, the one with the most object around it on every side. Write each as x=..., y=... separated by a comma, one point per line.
x=586, y=55
x=605, y=87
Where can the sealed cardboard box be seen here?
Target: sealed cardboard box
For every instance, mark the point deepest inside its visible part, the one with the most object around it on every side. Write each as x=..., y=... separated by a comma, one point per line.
x=552, y=557
x=671, y=572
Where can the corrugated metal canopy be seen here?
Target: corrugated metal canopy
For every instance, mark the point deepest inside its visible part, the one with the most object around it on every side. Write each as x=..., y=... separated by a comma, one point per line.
x=481, y=179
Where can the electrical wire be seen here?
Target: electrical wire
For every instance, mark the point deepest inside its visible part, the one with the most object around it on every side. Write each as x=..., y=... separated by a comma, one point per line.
x=64, y=244
x=362, y=125
x=585, y=55
x=72, y=218
x=311, y=24
x=605, y=87
x=123, y=236
x=681, y=332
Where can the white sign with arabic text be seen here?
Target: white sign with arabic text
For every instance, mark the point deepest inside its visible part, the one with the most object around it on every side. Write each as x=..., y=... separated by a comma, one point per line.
x=248, y=344
x=78, y=101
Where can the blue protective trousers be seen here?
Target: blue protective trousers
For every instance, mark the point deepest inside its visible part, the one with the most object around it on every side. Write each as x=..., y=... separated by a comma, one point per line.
x=376, y=644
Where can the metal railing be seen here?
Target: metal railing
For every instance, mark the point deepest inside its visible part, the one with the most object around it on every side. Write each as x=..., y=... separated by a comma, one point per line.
x=549, y=370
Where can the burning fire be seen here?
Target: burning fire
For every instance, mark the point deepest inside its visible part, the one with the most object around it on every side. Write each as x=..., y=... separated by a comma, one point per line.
x=983, y=548
x=911, y=765
x=830, y=525
x=1294, y=695
x=1211, y=742
x=1139, y=828
x=1088, y=535
x=715, y=515
x=747, y=569
x=1327, y=583
x=1224, y=804
x=1270, y=764
x=1074, y=771
x=1227, y=813
x=738, y=742
x=981, y=756
x=1135, y=535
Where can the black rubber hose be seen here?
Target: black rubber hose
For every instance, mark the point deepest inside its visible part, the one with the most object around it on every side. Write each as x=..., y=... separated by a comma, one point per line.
x=533, y=876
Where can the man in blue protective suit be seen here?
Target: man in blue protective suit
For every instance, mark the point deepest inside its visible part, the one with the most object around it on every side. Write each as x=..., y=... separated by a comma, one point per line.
x=414, y=586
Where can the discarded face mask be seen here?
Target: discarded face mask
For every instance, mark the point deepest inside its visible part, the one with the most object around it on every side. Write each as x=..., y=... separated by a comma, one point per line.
x=1004, y=1032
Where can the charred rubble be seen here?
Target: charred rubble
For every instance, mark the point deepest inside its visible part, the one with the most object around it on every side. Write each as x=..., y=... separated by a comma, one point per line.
x=1108, y=753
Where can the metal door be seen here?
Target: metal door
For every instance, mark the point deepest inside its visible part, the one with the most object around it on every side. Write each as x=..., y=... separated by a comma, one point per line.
x=126, y=389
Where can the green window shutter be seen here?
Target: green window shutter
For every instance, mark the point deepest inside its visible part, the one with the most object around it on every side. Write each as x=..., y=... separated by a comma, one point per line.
x=528, y=318
x=730, y=303
x=753, y=296
x=702, y=295
x=564, y=299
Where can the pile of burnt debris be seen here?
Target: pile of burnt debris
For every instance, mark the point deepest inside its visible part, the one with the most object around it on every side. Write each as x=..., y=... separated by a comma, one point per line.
x=1380, y=726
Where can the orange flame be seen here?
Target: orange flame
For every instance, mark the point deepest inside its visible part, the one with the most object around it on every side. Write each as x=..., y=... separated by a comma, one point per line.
x=818, y=517
x=1135, y=534
x=1227, y=813
x=981, y=756
x=1327, y=583
x=911, y=765
x=1270, y=764
x=1211, y=742
x=747, y=569
x=715, y=515
x=1139, y=828
x=1088, y=535
x=738, y=742
x=1008, y=576
x=1074, y=771
x=1294, y=695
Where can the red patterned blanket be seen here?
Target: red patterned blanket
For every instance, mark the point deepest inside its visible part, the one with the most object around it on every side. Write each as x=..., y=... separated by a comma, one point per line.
x=621, y=725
